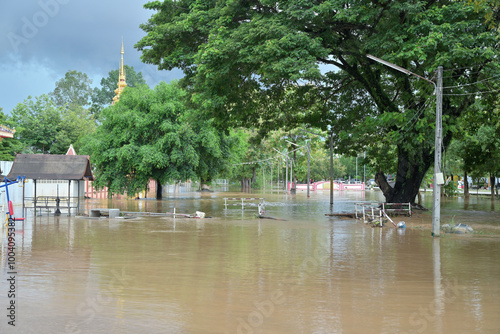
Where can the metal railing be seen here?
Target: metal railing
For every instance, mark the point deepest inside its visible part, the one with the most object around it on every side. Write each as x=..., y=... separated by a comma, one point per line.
x=377, y=212
x=242, y=201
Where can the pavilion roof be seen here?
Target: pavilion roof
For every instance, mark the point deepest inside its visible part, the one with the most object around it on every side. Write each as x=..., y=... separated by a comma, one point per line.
x=51, y=167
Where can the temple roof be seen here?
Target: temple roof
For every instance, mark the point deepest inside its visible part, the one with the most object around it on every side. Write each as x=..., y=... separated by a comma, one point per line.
x=6, y=132
x=51, y=167
x=71, y=150
x=121, y=79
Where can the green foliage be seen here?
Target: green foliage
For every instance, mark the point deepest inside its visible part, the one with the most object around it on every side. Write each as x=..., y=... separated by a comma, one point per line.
x=37, y=122
x=76, y=124
x=320, y=166
x=478, y=143
x=72, y=90
x=151, y=133
x=450, y=189
x=257, y=64
x=44, y=127
x=8, y=146
x=102, y=97
x=490, y=8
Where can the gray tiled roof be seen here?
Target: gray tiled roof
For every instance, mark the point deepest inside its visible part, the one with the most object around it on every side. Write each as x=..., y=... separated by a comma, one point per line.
x=51, y=167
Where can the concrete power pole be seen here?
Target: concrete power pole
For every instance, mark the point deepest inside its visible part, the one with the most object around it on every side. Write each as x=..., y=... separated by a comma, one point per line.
x=438, y=176
x=331, y=170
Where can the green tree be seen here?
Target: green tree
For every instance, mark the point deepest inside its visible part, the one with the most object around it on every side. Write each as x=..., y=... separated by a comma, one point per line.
x=151, y=133
x=43, y=127
x=76, y=124
x=478, y=143
x=320, y=165
x=8, y=146
x=258, y=64
x=37, y=121
x=72, y=90
x=102, y=97
x=491, y=9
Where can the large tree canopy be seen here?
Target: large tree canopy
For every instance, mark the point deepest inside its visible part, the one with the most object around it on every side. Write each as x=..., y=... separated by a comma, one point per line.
x=279, y=63
x=151, y=133
x=72, y=90
x=43, y=127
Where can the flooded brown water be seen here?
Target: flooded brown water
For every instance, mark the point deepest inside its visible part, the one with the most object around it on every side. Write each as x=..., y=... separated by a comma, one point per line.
x=235, y=273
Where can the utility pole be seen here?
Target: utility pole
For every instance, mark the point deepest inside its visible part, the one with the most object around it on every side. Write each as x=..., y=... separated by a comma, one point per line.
x=286, y=179
x=364, y=167
x=331, y=170
x=308, y=167
x=279, y=165
x=438, y=176
x=271, y=167
x=356, y=177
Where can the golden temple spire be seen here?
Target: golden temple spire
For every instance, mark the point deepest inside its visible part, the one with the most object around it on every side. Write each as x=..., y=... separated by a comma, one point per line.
x=121, y=79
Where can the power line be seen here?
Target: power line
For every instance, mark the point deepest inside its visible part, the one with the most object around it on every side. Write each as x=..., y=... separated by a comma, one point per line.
x=254, y=162
x=276, y=157
x=473, y=83
x=417, y=115
x=475, y=93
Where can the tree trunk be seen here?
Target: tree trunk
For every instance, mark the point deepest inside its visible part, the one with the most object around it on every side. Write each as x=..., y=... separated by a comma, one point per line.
x=245, y=184
x=492, y=186
x=409, y=177
x=159, y=190
x=466, y=185
x=204, y=185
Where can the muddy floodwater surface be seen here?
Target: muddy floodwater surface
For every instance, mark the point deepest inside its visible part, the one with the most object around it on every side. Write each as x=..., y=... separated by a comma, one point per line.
x=231, y=272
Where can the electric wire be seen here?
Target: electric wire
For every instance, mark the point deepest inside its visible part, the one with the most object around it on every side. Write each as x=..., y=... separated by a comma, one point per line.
x=473, y=83
x=474, y=93
x=264, y=160
x=416, y=115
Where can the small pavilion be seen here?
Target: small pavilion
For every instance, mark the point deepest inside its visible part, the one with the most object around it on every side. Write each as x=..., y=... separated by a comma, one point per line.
x=58, y=168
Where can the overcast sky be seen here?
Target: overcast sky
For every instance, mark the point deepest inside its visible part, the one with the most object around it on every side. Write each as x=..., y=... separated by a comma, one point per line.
x=40, y=40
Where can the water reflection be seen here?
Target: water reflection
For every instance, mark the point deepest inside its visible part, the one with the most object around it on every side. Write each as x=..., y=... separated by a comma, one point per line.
x=235, y=273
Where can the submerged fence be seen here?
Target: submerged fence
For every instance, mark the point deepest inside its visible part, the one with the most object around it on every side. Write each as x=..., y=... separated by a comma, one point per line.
x=377, y=212
x=242, y=201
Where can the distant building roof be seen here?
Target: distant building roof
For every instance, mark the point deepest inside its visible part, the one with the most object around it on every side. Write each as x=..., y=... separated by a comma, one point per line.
x=71, y=150
x=51, y=167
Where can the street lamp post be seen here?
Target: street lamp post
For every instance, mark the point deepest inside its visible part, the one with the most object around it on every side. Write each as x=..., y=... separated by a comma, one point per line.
x=331, y=171
x=286, y=178
x=308, y=167
x=308, y=161
x=331, y=162
x=438, y=176
x=356, y=177
x=286, y=161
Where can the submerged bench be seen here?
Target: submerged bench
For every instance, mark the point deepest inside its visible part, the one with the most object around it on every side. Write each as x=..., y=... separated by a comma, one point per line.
x=110, y=213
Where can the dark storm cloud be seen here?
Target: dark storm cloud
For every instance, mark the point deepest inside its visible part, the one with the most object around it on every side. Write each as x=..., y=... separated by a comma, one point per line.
x=40, y=40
